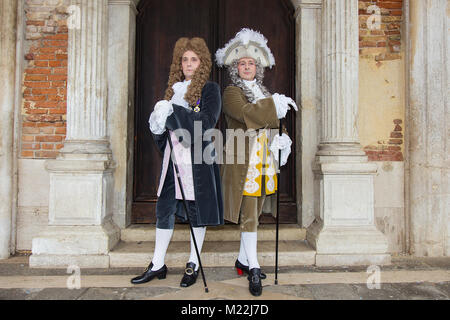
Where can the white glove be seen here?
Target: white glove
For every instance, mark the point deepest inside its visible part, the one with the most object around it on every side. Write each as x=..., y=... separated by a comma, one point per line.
x=282, y=104
x=284, y=143
x=157, y=120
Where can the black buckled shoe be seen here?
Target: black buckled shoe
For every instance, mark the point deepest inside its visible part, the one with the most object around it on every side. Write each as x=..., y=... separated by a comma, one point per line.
x=190, y=275
x=254, y=278
x=241, y=268
x=149, y=274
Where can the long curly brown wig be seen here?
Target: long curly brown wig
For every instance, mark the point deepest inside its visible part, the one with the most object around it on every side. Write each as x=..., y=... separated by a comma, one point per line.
x=201, y=75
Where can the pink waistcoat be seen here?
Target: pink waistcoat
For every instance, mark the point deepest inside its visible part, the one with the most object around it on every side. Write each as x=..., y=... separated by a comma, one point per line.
x=184, y=161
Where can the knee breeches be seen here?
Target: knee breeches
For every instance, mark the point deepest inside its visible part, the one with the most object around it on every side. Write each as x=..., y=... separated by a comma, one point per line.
x=251, y=208
x=168, y=206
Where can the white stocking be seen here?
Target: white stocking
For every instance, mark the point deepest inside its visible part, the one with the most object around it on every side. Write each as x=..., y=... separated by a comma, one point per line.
x=199, y=237
x=242, y=256
x=162, y=241
x=250, y=244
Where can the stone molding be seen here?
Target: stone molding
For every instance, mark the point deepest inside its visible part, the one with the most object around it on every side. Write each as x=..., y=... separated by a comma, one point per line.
x=121, y=83
x=8, y=36
x=427, y=137
x=308, y=118
x=131, y=3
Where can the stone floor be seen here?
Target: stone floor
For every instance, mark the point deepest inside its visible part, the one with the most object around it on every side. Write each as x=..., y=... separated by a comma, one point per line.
x=408, y=278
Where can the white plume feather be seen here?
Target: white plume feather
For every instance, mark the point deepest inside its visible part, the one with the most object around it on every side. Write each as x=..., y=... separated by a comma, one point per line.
x=244, y=36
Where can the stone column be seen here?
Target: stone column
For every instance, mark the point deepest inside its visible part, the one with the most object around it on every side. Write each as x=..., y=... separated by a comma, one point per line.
x=344, y=231
x=81, y=230
x=428, y=161
x=8, y=19
x=121, y=78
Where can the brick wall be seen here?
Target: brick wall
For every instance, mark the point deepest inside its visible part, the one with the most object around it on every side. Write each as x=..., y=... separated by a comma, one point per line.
x=383, y=42
x=45, y=76
x=45, y=79
x=390, y=148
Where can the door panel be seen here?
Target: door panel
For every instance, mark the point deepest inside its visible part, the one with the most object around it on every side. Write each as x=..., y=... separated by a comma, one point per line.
x=159, y=24
x=274, y=19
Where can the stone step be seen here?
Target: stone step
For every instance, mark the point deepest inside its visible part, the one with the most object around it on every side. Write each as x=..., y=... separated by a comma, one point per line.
x=266, y=232
x=214, y=253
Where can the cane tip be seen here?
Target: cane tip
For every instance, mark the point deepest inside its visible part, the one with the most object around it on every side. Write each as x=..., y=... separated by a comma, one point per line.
x=206, y=289
x=276, y=281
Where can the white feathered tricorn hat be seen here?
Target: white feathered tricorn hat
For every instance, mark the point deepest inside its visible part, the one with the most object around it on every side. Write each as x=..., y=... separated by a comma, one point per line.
x=246, y=43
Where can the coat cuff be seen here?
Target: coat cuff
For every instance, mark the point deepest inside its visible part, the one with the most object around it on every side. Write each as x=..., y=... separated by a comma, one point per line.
x=158, y=117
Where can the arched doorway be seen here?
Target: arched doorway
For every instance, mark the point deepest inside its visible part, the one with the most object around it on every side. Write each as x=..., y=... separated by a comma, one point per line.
x=159, y=24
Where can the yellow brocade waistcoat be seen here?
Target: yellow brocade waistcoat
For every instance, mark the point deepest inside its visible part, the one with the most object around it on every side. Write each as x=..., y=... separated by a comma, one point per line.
x=261, y=162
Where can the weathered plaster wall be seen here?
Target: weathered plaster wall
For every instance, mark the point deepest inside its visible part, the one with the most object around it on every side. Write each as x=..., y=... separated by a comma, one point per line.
x=382, y=109
x=381, y=131
x=34, y=183
x=381, y=118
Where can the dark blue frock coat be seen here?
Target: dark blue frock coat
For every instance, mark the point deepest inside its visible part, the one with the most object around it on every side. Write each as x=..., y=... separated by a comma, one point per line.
x=206, y=177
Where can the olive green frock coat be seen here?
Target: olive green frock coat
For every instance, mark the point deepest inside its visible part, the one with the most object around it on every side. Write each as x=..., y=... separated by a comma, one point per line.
x=241, y=114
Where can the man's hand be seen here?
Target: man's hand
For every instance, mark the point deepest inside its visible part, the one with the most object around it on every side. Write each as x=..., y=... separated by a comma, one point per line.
x=283, y=104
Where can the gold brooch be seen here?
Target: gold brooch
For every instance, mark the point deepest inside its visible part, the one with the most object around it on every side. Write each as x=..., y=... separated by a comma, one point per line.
x=197, y=108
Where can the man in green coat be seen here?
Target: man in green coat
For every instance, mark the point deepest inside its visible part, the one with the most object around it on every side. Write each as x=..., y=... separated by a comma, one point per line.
x=249, y=108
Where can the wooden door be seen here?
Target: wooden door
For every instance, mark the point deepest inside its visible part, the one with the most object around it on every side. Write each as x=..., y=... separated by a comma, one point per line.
x=159, y=24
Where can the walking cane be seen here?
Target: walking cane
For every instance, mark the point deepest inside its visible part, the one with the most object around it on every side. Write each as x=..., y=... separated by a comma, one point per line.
x=278, y=208
x=186, y=210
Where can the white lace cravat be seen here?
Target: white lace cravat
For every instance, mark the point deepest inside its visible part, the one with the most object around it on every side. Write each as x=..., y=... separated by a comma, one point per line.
x=281, y=105
x=254, y=87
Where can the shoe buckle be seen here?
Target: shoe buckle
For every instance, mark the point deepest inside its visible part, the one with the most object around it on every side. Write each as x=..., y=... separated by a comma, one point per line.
x=189, y=271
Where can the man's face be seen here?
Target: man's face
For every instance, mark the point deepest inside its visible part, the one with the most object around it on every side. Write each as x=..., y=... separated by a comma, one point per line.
x=247, y=68
x=189, y=62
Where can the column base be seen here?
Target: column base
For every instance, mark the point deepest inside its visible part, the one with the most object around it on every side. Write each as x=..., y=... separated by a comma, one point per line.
x=84, y=246
x=348, y=246
x=344, y=232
